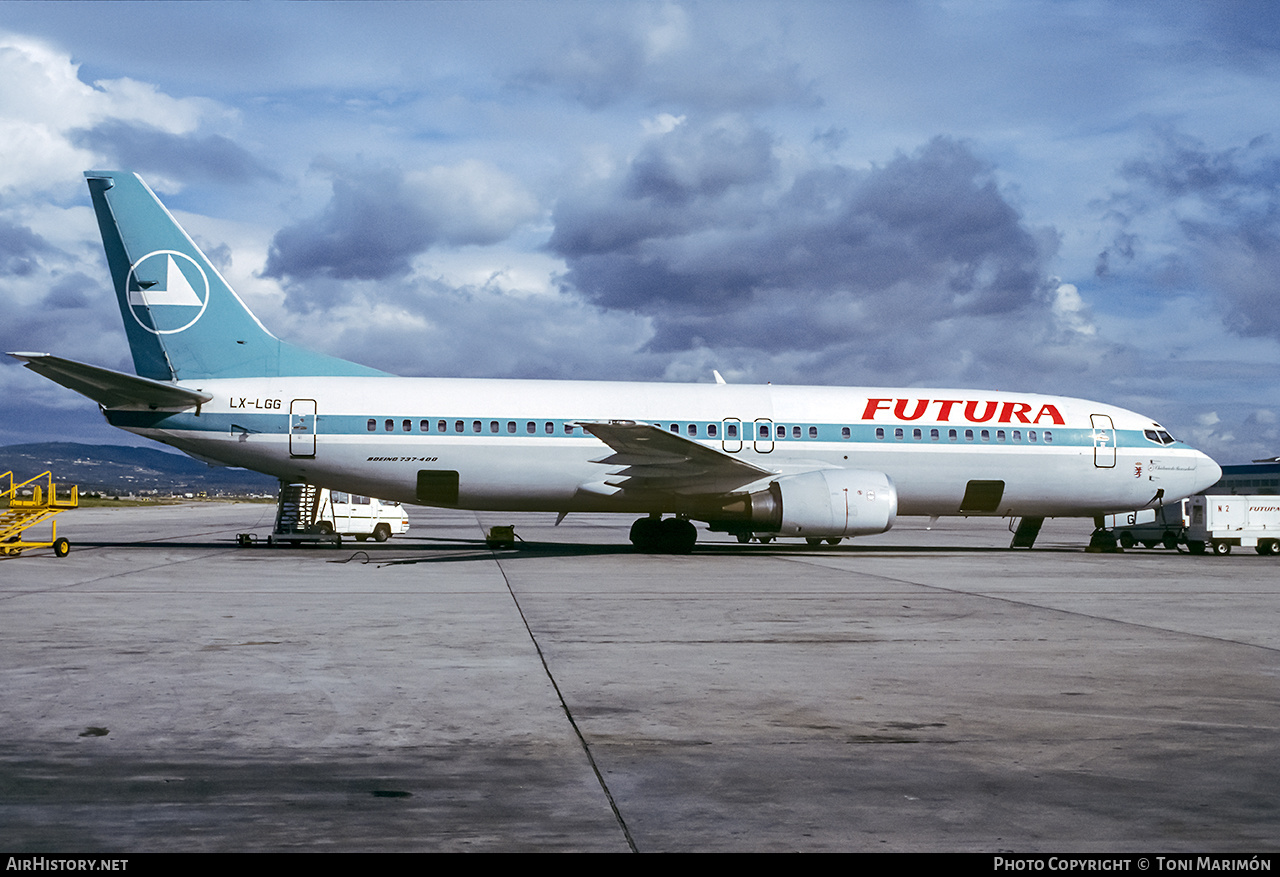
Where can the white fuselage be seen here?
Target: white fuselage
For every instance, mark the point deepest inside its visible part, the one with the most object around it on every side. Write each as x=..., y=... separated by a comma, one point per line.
x=516, y=445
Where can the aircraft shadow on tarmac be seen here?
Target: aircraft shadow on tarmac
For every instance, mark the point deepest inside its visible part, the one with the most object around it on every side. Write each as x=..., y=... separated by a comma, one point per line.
x=445, y=550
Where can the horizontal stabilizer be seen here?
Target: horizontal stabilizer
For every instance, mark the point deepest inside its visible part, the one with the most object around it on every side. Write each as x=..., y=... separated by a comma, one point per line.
x=113, y=389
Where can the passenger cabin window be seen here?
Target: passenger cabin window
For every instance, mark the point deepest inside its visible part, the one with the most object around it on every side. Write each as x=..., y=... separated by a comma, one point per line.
x=1048, y=436
x=813, y=432
x=897, y=434
x=493, y=426
x=568, y=429
x=952, y=435
x=711, y=430
x=693, y=429
x=442, y=426
x=968, y=435
x=476, y=426
x=764, y=431
x=407, y=425
x=675, y=427
x=782, y=432
x=550, y=428
x=373, y=425
x=879, y=433
x=731, y=430
x=457, y=426
x=1031, y=435
x=1017, y=436
x=844, y=432
x=934, y=435
x=917, y=434
x=390, y=425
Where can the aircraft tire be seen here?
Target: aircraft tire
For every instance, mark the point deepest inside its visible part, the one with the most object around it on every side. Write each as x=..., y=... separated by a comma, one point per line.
x=834, y=540
x=678, y=536
x=744, y=538
x=814, y=541
x=646, y=534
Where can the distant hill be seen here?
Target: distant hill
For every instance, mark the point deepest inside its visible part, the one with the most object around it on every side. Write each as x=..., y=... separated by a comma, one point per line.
x=120, y=469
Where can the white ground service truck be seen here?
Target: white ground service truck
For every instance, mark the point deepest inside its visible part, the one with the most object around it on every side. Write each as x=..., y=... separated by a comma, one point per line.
x=1220, y=522
x=345, y=514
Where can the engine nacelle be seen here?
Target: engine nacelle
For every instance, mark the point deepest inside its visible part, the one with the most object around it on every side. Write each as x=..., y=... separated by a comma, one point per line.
x=823, y=503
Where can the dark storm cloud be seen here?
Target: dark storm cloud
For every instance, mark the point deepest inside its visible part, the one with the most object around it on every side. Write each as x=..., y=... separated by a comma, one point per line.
x=73, y=291
x=1226, y=206
x=380, y=218
x=1184, y=166
x=618, y=62
x=1242, y=33
x=20, y=249
x=835, y=252
x=370, y=229
x=144, y=149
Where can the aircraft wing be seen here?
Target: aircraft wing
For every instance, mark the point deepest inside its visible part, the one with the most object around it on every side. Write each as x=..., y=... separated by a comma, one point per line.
x=113, y=389
x=658, y=461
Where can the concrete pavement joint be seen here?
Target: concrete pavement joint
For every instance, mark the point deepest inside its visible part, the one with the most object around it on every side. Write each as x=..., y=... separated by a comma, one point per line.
x=604, y=786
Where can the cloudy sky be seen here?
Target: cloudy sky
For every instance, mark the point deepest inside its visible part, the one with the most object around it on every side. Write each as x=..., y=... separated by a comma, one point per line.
x=1079, y=198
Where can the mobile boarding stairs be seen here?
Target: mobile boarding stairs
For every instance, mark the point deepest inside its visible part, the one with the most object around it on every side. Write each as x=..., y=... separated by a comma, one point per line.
x=24, y=512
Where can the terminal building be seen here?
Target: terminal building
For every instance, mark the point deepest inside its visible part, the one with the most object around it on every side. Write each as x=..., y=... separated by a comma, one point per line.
x=1260, y=478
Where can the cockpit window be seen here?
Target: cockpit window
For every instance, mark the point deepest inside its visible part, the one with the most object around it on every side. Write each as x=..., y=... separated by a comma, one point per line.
x=1158, y=436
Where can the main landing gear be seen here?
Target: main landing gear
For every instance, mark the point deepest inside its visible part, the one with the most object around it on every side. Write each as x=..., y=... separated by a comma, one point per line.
x=663, y=536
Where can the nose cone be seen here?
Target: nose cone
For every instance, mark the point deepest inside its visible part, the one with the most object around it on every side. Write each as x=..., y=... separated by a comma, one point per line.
x=1208, y=473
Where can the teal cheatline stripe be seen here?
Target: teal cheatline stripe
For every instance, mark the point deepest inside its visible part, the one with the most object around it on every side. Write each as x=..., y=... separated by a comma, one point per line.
x=277, y=423
x=182, y=320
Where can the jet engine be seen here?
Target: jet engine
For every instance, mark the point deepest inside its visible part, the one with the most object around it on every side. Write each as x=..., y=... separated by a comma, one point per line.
x=822, y=503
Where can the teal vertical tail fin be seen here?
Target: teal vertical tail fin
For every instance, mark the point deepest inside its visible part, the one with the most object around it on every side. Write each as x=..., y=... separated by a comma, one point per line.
x=183, y=320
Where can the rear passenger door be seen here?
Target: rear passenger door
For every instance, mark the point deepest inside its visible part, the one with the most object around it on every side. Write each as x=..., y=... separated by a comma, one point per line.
x=302, y=428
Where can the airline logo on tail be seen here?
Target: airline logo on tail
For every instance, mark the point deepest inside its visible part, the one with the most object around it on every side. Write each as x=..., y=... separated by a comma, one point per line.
x=168, y=291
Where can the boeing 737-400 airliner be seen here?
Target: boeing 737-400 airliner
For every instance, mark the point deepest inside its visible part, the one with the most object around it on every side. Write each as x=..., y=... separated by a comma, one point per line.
x=822, y=463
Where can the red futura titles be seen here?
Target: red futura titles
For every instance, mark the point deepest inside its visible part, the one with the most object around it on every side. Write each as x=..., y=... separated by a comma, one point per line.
x=972, y=411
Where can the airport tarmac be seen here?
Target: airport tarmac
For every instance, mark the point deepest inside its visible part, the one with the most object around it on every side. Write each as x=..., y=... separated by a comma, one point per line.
x=162, y=689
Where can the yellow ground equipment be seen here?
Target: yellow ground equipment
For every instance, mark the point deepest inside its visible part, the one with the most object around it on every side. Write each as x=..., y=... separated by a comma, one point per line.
x=27, y=511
